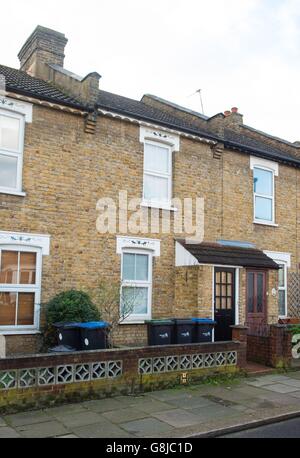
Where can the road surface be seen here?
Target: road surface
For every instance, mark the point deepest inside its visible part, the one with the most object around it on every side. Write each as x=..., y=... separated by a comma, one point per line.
x=286, y=429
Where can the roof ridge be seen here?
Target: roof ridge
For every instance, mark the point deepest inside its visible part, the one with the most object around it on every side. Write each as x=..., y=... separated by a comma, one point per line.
x=178, y=107
x=265, y=134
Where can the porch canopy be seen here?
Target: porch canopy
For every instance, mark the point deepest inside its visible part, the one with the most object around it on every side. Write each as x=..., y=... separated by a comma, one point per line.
x=217, y=254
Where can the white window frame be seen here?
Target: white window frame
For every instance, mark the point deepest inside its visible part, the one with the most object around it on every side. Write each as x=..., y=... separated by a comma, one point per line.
x=13, y=288
x=16, y=154
x=285, y=288
x=285, y=259
x=133, y=318
x=264, y=196
x=156, y=203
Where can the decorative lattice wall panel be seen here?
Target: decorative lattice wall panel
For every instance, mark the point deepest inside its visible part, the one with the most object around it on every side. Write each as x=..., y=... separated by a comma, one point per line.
x=294, y=294
x=60, y=375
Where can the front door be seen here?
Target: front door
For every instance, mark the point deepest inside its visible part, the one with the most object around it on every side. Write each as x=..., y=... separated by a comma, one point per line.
x=256, y=298
x=224, y=303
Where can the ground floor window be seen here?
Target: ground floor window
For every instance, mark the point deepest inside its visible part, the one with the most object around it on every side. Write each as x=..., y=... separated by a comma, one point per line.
x=136, y=292
x=20, y=284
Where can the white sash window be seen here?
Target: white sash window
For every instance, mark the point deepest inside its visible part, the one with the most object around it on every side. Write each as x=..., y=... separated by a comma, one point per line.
x=11, y=151
x=20, y=287
x=136, y=294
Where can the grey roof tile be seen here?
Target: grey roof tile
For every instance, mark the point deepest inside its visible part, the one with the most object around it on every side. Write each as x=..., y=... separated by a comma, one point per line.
x=21, y=83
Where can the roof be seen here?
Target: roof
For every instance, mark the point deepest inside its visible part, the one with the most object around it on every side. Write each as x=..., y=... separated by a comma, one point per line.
x=217, y=254
x=142, y=111
x=21, y=83
x=251, y=145
x=178, y=107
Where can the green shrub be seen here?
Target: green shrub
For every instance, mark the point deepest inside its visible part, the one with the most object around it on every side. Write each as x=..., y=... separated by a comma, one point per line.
x=294, y=329
x=69, y=306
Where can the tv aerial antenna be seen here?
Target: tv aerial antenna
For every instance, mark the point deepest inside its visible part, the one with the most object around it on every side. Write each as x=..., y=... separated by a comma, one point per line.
x=199, y=91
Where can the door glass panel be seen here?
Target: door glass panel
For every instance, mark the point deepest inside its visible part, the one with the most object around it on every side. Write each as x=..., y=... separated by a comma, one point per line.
x=229, y=278
x=218, y=277
x=224, y=277
x=224, y=303
x=229, y=304
x=250, y=293
x=260, y=293
x=218, y=303
x=224, y=290
x=8, y=303
x=26, y=309
x=218, y=290
x=9, y=267
x=27, y=268
x=229, y=290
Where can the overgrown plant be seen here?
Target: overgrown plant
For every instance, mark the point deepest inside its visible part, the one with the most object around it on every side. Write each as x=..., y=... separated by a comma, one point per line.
x=69, y=306
x=114, y=305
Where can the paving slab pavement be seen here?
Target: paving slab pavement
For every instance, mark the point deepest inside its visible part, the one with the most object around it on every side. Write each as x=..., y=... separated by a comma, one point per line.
x=176, y=413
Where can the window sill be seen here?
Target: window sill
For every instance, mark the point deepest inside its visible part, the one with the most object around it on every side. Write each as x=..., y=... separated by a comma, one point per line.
x=28, y=332
x=13, y=193
x=135, y=322
x=159, y=206
x=265, y=223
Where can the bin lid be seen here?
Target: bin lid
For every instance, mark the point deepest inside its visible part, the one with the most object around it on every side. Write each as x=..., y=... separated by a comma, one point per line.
x=184, y=321
x=203, y=321
x=94, y=325
x=160, y=322
x=66, y=325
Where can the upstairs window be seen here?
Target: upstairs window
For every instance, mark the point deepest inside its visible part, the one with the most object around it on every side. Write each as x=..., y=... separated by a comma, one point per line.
x=264, y=208
x=20, y=278
x=157, y=174
x=11, y=151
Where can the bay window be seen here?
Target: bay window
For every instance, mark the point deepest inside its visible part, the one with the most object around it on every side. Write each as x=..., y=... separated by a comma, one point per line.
x=157, y=174
x=20, y=278
x=136, y=285
x=11, y=151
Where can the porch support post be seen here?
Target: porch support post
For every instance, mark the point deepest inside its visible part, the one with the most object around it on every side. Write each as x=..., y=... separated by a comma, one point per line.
x=239, y=334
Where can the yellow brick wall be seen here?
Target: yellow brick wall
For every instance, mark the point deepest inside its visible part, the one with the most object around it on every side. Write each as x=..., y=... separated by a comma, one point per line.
x=66, y=171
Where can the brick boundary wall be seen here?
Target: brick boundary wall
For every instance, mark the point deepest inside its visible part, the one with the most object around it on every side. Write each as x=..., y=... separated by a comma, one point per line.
x=46, y=380
x=274, y=350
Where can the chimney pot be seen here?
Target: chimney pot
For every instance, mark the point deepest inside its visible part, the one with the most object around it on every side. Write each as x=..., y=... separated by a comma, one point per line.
x=234, y=110
x=227, y=113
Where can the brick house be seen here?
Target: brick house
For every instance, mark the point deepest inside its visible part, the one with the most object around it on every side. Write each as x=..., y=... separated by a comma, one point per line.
x=65, y=144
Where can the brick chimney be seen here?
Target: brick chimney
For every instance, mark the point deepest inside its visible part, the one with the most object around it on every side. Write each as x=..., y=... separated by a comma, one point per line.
x=42, y=56
x=44, y=46
x=233, y=118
